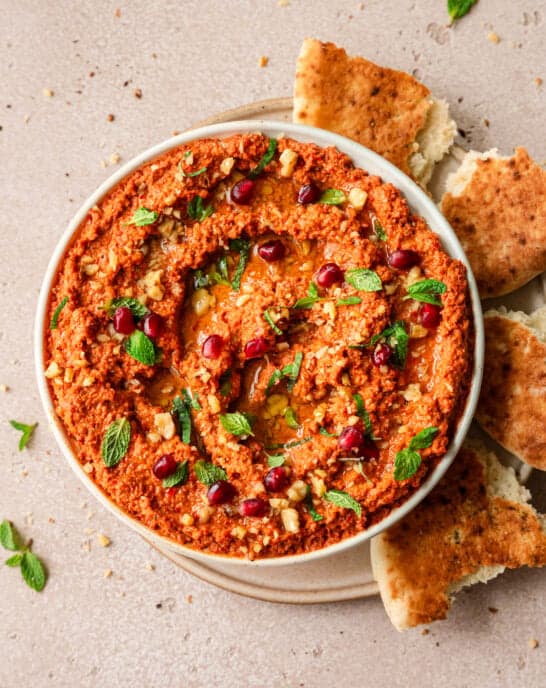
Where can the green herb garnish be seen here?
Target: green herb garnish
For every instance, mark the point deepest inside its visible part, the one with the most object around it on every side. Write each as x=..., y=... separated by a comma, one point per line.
x=179, y=477
x=192, y=399
x=340, y=498
x=181, y=410
x=27, y=431
x=197, y=210
x=140, y=347
x=242, y=246
x=276, y=377
x=208, y=473
x=397, y=338
x=332, y=197
x=325, y=432
x=289, y=445
x=269, y=320
x=378, y=229
x=32, y=569
x=310, y=507
x=115, y=443
x=290, y=418
x=265, y=160
x=275, y=460
x=200, y=279
x=458, y=8
x=143, y=217
x=426, y=291
x=56, y=313
x=225, y=382
x=349, y=301
x=292, y=371
x=311, y=298
x=237, y=423
x=407, y=461
x=363, y=279
x=137, y=309
x=364, y=415
x=181, y=174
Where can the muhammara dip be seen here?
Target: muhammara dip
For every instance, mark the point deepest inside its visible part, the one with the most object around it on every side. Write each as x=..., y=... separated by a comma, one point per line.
x=255, y=348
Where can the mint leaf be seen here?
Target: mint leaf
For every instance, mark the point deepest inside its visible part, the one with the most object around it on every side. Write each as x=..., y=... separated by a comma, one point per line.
x=332, y=197
x=306, y=302
x=224, y=382
x=397, y=338
x=27, y=431
x=191, y=399
x=141, y=348
x=265, y=160
x=458, y=8
x=276, y=377
x=423, y=439
x=349, y=301
x=200, y=279
x=406, y=464
x=340, y=498
x=137, y=309
x=378, y=229
x=208, y=473
x=179, y=477
x=197, y=210
x=426, y=291
x=289, y=445
x=269, y=320
x=323, y=431
x=310, y=507
x=14, y=561
x=33, y=571
x=181, y=410
x=290, y=418
x=275, y=460
x=143, y=217
x=237, y=423
x=56, y=313
x=292, y=371
x=9, y=537
x=364, y=415
x=242, y=246
x=116, y=442
x=363, y=279
x=181, y=174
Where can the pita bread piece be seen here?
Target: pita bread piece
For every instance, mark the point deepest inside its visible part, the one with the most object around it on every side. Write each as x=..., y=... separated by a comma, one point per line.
x=497, y=207
x=383, y=109
x=472, y=526
x=512, y=406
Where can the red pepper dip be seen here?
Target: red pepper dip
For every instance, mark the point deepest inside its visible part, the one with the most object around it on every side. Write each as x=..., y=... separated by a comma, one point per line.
x=255, y=348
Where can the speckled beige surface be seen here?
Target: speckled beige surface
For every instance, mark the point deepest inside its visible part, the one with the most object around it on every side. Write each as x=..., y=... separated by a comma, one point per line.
x=191, y=59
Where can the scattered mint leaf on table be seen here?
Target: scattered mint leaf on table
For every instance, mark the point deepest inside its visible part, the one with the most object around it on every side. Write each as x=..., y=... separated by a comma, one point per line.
x=459, y=8
x=9, y=537
x=32, y=569
x=27, y=431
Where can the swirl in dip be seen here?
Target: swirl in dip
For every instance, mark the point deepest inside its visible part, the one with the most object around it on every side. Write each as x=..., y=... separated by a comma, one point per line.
x=255, y=348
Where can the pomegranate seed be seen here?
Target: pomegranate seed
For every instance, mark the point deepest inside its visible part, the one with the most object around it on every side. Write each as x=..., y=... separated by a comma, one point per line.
x=369, y=450
x=308, y=193
x=253, y=507
x=152, y=325
x=272, y=250
x=329, y=274
x=124, y=323
x=430, y=315
x=242, y=192
x=276, y=480
x=381, y=354
x=220, y=492
x=256, y=347
x=165, y=466
x=403, y=259
x=351, y=438
x=212, y=346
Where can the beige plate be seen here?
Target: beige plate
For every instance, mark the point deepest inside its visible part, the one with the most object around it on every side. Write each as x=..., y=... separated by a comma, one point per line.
x=348, y=575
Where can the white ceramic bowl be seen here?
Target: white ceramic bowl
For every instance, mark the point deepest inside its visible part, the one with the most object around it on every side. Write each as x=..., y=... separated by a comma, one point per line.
x=362, y=157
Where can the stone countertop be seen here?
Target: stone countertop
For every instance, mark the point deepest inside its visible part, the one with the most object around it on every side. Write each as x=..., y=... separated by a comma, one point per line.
x=149, y=623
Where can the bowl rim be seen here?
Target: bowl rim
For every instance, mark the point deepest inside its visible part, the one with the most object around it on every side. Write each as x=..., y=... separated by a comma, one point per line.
x=419, y=202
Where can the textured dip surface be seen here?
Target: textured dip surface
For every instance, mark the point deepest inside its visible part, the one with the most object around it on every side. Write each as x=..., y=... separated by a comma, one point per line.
x=308, y=398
